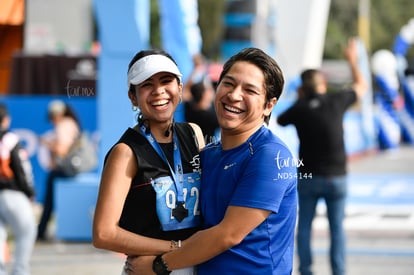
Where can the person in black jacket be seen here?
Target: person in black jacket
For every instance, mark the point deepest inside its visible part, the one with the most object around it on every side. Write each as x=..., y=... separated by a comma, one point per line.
x=16, y=193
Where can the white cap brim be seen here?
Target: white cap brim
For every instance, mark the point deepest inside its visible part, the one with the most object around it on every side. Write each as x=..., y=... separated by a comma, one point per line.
x=149, y=65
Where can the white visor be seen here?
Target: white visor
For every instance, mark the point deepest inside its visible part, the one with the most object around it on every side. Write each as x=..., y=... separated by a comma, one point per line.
x=149, y=65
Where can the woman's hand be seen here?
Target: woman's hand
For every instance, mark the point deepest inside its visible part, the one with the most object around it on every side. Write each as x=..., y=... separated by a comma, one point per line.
x=141, y=265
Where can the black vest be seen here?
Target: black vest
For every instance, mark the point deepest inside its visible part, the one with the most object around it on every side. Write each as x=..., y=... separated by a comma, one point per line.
x=139, y=212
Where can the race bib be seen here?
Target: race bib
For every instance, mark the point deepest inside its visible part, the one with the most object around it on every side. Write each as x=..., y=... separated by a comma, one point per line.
x=166, y=201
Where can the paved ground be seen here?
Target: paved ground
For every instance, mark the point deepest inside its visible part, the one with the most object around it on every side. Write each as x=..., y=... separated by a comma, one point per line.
x=380, y=226
x=380, y=216
x=376, y=253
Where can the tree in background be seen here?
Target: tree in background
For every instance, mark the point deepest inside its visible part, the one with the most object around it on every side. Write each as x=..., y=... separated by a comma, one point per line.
x=387, y=18
x=155, y=36
x=211, y=14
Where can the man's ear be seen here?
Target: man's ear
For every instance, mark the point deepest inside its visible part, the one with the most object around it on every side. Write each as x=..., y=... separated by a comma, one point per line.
x=269, y=106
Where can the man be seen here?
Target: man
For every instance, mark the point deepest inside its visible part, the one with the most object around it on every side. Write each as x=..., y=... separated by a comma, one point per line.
x=318, y=118
x=248, y=184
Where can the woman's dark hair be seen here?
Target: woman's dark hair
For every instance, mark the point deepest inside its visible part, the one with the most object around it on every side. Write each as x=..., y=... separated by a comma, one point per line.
x=273, y=75
x=145, y=53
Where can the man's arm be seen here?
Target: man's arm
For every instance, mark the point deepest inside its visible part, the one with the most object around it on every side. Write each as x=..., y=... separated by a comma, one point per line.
x=287, y=117
x=359, y=84
x=237, y=223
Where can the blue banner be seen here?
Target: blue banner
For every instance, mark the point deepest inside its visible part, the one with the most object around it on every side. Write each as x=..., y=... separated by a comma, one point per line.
x=180, y=36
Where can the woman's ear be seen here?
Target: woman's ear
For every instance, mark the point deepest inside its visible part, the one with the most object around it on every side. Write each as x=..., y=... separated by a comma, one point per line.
x=133, y=98
x=180, y=87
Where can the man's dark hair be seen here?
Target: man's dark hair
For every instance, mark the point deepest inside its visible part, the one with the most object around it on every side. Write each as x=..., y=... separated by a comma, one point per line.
x=273, y=75
x=309, y=80
x=197, y=90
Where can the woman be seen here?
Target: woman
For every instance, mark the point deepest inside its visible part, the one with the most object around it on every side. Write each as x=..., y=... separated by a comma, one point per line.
x=148, y=197
x=66, y=129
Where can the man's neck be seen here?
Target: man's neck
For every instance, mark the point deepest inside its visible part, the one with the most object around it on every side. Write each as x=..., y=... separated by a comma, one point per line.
x=230, y=140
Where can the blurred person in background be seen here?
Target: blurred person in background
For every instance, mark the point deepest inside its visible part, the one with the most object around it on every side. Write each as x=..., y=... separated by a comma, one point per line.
x=200, y=109
x=318, y=118
x=16, y=196
x=198, y=72
x=66, y=129
x=198, y=97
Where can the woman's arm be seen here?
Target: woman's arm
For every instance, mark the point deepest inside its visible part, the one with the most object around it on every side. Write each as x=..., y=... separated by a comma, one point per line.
x=116, y=178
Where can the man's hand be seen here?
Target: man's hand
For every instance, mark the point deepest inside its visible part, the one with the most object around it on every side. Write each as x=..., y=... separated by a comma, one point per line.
x=351, y=51
x=359, y=84
x=141, y=265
